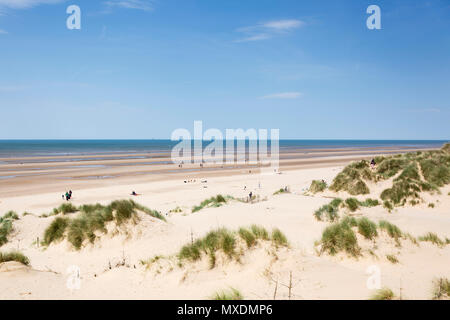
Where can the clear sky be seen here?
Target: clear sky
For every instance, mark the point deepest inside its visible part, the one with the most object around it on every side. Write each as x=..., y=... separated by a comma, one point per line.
x=140, y=69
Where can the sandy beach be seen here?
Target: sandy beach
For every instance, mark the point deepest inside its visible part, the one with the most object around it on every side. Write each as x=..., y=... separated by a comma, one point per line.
x=112, y=268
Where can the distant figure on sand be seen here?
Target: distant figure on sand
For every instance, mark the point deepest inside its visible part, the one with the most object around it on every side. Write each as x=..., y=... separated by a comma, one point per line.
x=372, y=163
x=133, y=193
x=250, y=195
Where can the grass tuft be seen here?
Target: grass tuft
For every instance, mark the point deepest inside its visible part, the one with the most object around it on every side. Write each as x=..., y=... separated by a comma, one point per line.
x=383, y=294
x=441, y=289
x=329, y=210
x=392, y=230
x=260, y=232
x=278, y=238
x=6, y=226
x=232, y=294
x=14, y=256
x=55, y=231
x=393, y=259
x=433, y=238
x=340, y=237
x=352, y=204
x=248, y=236
x=92, y=220
x=367, y=228
x=66, y=208
x=225, y=241
x=317, y=186
x=216, y=201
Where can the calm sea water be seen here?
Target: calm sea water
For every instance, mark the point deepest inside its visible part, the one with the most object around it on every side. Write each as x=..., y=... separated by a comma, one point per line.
x=28, y=148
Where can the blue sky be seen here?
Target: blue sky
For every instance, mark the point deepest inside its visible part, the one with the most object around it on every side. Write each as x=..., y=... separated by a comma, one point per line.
x=140, y=69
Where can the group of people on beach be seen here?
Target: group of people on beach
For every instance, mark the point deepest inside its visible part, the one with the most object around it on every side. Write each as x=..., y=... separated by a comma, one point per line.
x=67, y=196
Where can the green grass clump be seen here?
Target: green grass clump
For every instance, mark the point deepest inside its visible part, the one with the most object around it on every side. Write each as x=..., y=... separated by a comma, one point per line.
x=383, y=294
x=231, y=294
x=441, y=289
x=392, y=230
x=260, y=232
x=352, y=204
x=400, y=191
x=66, y=208
x=248, y=236
x=436, y=170
x=56, y=230
x=369, y=203
x=329, y=210
x=6, y=226
x=278, y=238
x=224, y=240
x=218, y=240
x=339, y=237
x=446, y=148
x=10, y=215
x=393, y=259
x=388, y=205
x=433, y=238
x=317, y=186
x=14, y=256
x=367, y=228
x=390, y=166
x=351, y=178
x=281, y=190
x=92, y=220
x=349, y=221
x=150, y=212
x=216, y=201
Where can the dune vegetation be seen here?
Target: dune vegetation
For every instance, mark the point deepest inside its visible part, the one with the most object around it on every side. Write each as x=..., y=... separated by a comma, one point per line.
x=317, y=186
x=92, y=221
x=413, y=173
x=213, y=202
x=281, y=191
x=6, y=226
x=433, y=238
x=228, y=242
x=231, y=294
x=392, y=258
x=441, y=289
x=14, y=256
x=383, y=294
x=341, y=236
x=330, y=211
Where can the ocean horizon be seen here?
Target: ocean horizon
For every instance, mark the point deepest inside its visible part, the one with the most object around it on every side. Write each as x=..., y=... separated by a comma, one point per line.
x=30, y=148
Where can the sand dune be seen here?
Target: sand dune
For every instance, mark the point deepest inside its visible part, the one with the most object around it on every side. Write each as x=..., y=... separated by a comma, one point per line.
x=111, y=268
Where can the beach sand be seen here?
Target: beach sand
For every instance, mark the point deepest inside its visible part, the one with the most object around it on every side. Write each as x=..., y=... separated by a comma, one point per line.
x=111, y=268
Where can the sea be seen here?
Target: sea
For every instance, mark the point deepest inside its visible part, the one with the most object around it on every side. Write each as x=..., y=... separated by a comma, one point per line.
x=39, y=148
